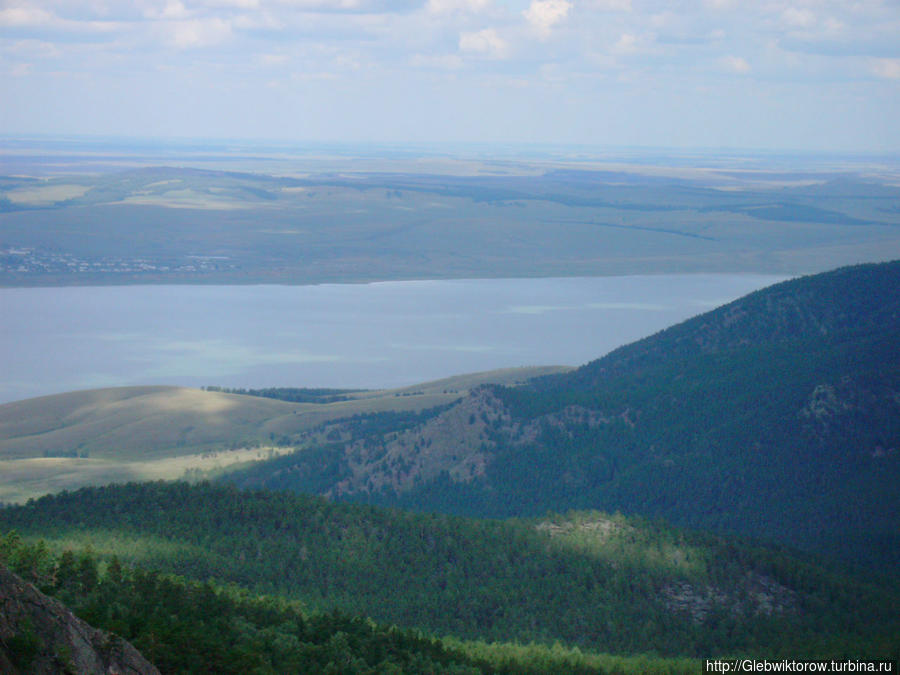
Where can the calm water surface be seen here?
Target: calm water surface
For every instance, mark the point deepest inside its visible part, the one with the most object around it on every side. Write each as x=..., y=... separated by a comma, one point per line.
x=334, y=335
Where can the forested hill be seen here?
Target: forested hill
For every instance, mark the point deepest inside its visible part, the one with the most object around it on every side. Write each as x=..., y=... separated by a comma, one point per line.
x=603, y=582
x=847, y=303
x=776, y=416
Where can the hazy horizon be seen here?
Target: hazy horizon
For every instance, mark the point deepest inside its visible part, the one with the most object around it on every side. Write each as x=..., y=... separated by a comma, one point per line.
x=810, y=75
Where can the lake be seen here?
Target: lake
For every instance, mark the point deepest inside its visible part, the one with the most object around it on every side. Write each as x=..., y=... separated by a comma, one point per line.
x=385, y=334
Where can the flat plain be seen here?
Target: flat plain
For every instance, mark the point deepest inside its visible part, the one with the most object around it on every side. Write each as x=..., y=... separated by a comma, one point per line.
x=351, y=218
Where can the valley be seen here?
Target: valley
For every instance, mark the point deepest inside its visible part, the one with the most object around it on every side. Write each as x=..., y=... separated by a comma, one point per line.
x=712, y=473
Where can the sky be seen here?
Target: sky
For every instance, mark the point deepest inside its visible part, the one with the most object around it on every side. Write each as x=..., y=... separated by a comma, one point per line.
x=813, y=75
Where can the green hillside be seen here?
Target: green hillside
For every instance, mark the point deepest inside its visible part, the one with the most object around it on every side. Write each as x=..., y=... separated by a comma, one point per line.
x=776, y=416
x=66, y=441
x=603, y=583
x=189, y=626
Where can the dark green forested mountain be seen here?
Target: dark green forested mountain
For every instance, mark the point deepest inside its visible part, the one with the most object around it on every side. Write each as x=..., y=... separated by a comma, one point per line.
x=604, y=583
x=776, y=416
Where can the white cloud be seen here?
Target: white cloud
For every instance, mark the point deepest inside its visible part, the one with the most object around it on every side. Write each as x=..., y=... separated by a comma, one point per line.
x=449, y=6
x=36, y=18
x=448, y=49
x=239, y=4
x=198, y=32
x=486, y=42
x=173, y=9
x=544, y=14
x=325, y=5
x=887, y=68
x=25, y=16
x=610, y=5
x=798, y=18
x=736, y=64
x=626, y=44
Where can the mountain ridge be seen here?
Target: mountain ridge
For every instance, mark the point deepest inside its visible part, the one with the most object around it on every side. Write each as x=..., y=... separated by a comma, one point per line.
x=808, y=306
x=775, y=416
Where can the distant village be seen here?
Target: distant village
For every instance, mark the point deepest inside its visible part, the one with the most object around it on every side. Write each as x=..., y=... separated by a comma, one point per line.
x=30, y=261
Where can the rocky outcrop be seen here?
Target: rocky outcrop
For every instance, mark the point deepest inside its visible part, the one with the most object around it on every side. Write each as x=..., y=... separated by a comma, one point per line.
x=456, y=442
x=459, y=442
x=40, y=635
x=755, y=595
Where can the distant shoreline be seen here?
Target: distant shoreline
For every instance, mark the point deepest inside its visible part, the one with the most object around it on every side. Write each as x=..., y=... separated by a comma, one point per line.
x=341, y=336
x=56, y=282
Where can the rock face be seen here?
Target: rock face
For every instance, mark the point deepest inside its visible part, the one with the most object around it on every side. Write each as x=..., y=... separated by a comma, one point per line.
x=40, y=635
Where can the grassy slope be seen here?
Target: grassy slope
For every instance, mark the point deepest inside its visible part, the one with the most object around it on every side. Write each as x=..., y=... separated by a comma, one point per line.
x=141, y=433
x=130, y=422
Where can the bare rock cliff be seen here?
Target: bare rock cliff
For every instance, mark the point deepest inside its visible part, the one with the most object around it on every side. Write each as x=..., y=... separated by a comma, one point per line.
x=40, y=635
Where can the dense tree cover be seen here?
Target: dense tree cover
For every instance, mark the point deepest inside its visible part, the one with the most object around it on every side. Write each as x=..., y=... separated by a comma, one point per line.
x=361, y=425
x=292, y=394
x=191, y=627
x=389, y=421
x=776, y=416
x=757, y=453
x=186, y=626
x=606, y=584
x=862, y=299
